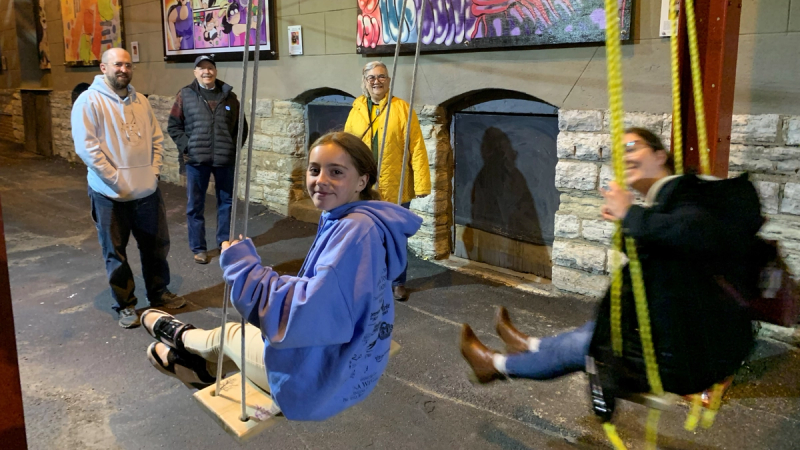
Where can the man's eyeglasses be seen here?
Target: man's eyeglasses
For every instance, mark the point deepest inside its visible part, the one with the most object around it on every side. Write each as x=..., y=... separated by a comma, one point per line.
x=372, y=78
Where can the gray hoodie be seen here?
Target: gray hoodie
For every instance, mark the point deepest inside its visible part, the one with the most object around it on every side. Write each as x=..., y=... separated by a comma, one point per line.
x=119, y=140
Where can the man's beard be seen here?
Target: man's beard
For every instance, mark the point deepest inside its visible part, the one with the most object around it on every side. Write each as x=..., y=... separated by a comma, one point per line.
x=118, y=83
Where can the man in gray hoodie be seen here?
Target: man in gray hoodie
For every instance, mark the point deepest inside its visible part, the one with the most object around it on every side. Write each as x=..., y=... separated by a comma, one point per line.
x=117, y=136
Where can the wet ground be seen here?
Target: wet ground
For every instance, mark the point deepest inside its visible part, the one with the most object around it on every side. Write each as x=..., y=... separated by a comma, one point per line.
x=87, y=384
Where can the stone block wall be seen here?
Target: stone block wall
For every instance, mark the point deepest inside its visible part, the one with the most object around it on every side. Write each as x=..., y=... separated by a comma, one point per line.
x=433, y=238
x=767, y=146
x=11, y=124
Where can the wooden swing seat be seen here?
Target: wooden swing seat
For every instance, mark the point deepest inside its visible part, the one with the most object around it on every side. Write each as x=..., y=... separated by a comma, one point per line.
x=262, y=411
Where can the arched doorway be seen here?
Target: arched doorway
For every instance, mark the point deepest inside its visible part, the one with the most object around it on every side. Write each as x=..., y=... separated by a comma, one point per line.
x=504, y=194
x=326, y=110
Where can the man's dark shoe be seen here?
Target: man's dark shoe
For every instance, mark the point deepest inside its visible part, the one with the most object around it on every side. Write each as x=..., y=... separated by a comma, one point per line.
x=516, y=342
x=201, y=258
x=168, y=300
x=128, y=317
x=400, y=293
x=479, y=357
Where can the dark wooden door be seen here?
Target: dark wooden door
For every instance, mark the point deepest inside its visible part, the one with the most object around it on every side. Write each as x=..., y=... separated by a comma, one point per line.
x=504, y=196
x=37, y=121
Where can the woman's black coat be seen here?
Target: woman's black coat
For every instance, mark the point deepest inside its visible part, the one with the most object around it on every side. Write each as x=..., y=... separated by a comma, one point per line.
x=696, y=233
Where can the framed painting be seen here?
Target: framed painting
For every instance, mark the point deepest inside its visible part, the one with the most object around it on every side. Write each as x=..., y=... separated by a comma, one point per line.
x=90, y=28
x=453, y=25
x=194, y=27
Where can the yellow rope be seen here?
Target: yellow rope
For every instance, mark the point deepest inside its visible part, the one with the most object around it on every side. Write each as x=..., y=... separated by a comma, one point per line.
x=643, y=316
x=697, y=88
x=677, y=123
x=613, y=436
x=694, y=413
x=614, y=61
x=711, y=413
x=651, y=432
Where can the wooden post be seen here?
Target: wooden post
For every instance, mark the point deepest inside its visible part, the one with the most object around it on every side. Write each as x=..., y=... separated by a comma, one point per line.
x=12, y=418
x=718, y=44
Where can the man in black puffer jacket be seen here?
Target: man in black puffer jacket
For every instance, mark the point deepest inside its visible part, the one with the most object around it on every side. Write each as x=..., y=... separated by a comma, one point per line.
x=204, y=122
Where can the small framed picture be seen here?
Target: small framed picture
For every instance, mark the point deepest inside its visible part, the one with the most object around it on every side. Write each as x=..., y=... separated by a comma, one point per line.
x=295, y=40
x=135, y=51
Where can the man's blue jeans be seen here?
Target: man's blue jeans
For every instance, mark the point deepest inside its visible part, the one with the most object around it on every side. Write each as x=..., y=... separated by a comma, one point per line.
x=557, y=355
x=197, y=178
x=146, y=219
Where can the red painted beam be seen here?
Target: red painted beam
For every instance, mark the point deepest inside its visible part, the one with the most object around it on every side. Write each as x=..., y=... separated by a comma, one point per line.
x=718, y=46
x=12, y=418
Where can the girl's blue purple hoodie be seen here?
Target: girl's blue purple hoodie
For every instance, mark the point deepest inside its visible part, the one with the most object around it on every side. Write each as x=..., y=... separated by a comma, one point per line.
x=328, y=330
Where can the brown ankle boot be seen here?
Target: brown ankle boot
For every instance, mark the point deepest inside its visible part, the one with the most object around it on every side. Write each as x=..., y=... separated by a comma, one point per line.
x=478, y=356
x=516, y=342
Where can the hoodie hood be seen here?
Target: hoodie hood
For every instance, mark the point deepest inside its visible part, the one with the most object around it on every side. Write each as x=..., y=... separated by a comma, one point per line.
x=395, y=223
x=99, y=84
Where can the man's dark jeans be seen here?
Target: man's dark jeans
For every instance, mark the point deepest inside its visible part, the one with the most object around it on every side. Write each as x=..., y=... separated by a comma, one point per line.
x=197, y=178
x=146, y=218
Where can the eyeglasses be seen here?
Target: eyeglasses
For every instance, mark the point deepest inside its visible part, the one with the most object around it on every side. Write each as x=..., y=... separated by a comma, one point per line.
x=634, y=146
x=372, y=78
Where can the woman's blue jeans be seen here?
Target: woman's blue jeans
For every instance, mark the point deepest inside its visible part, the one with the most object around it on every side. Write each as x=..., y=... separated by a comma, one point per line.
x=557, y=355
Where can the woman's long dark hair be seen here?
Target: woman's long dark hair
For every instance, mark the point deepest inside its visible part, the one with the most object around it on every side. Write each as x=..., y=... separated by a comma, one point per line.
x=360, y=154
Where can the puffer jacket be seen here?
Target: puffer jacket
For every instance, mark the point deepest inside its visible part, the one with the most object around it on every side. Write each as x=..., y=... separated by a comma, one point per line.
x=203, y=136
x=418, y=176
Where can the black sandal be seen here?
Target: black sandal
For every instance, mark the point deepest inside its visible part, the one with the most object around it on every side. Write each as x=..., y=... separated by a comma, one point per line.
x=188, y=368
x=167, y=329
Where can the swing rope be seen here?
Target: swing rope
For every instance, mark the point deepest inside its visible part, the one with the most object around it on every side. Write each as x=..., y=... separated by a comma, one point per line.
x=614, y=61
x=391, y=89
x=410, y=104
x=235, y=195
x=402, y=21
x=677, y=123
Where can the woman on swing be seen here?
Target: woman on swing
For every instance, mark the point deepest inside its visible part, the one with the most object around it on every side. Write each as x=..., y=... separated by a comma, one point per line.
x=319, y=341
x=700, y=334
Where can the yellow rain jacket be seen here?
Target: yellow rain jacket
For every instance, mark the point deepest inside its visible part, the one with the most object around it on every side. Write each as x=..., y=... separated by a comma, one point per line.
x=418, y=176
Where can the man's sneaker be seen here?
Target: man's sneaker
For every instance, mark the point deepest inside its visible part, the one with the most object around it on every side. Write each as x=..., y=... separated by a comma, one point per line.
x=201, y=258
x=168, y=300
x=128, y=317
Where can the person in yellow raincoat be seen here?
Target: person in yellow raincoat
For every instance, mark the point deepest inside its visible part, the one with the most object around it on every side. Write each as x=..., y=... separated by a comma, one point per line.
x=367, y=120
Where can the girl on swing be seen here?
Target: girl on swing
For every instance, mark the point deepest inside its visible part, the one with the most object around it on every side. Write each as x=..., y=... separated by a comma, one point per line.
x=318, y=341
x=701, y=335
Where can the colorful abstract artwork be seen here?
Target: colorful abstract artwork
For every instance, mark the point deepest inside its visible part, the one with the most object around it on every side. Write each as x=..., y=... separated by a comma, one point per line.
x=484, y=24
x=90, y=28
x=193, y=27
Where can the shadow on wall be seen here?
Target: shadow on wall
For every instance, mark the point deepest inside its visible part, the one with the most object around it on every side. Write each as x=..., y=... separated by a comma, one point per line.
x=500, y=195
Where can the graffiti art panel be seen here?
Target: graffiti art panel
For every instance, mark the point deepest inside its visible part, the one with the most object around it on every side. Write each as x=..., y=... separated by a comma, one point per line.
x=484, y=24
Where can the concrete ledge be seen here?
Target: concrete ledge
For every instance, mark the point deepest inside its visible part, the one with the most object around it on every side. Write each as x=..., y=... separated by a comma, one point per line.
x=522, y=281
x=786, y=335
